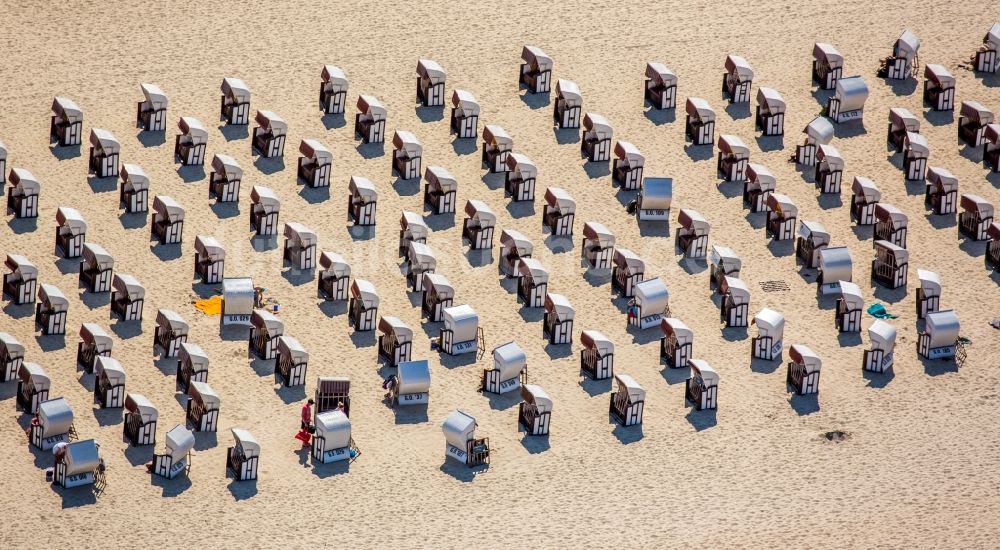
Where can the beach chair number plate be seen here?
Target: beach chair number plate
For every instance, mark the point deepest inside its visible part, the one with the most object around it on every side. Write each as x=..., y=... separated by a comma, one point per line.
x=508, y=385
x=942, y=353
x=463, y=347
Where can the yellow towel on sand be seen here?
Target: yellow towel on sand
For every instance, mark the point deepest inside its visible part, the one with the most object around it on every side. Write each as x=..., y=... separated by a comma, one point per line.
x=210, y=306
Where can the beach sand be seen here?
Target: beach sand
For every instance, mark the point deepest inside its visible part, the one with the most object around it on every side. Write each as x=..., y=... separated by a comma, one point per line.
x=918, y=467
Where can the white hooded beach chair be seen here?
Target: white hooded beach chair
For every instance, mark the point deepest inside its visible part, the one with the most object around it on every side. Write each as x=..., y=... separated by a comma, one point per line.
x=437, y=295
x=334, y=277
x=292, y=361
x=558, y=320
x=3, y=162
x=363, y=305
x=865, y=195
x=733, y=158
x=265, y=330
x=536, y=71
x=627, y=166
x=96, y=267
x=202, y=407
x=51, y=310
x=532, y=282
x=901, y=122
x=127, y=297
x=479, y=224
x=829, y=169
x=395, y=343
x=702, y=388
x=192, y=365
x=627, y=401
x=406, y=155
x=333, y=393
x=151, y=113
x=735, y=310
x=973, y=119
x=300, y=246
x=104, y=152
x=939, y=339
x=598, y=246
x=514, y=247
x=849, y=306
x=362, y=201
x=883, y=342
x=781, y=217
x=71, y=231
x=987, y=57
x=81, y=465
x=430, y=83
x=568, y=106
x=828, y=65
x=440, y=190
x=770, y=116
x=904, y=60
x=332, y=441
x=722, y=262
x=939, y=88
x=11, y=357
x=412, y=385
x=209, y=259
x=234, y=105
x=109, y=383
x=134, y=192
x=464, y=114
x=22, y=280
x=333, y=90
x=890, y=224
x=66, y=128
x=189, y=145
x=803, y=370
x=818, y=132
x=33, y=386
x=768, y=343
x=510, y=369
x=595, y=139
x=176, y=456
x=168, y=220
x=224, y=181
x=916, y=150
x=171, y=331
x=269, y=134
x=737, y=79
x=55, y=424
x=243, y=456
x=692, y=235
x=315, y=163
x=813, y=238
x=834, y=266
x=661, y=86
x=369, y=122
x=238, y=299
x=976, y=217
x=654, y=200
x=597, y=358
x=22, y=195
x=139, y=426
x=650, y=302
x=760, y=182
x=993, y=246
x=628, y=270
x=461, y=332
x=264, y=210
x=520, y=178
x=942, y=191
x=848, y=100
x=559, y=211
x=991, y=147
x=412, y=229
x=94, y=343
x=534, y=412
x=699, y=124
x=497, y=145
x=461, y=443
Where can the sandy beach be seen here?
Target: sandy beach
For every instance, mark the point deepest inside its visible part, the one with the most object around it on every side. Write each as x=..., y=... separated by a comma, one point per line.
x=919, y=461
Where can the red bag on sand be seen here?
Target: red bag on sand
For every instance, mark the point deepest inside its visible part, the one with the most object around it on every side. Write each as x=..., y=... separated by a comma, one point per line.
x=303, y=436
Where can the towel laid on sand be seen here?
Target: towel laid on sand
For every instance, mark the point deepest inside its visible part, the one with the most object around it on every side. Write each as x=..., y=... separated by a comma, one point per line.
x=878, y=310
x=210, y=306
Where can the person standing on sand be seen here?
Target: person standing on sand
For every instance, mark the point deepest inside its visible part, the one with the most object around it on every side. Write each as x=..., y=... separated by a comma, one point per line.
x=307, y=414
